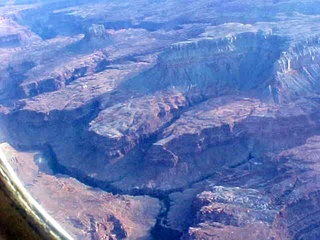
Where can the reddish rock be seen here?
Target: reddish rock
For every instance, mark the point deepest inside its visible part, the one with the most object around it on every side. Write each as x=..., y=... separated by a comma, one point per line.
x=86, y=213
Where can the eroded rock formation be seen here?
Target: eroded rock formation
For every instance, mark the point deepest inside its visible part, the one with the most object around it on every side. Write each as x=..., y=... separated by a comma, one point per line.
x=212, y=109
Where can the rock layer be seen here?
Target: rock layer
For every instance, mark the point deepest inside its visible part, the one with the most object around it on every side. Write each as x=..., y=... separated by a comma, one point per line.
x=212, y=109
x=86, y=213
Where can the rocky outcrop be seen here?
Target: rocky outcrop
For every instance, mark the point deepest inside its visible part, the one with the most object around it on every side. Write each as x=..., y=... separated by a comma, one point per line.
x=298, y=190
x=86, y=213
x=298, y=70
x=214, y=114
x=224, y=133
x=122, y=127
x=232, y=213
x=51, y=84
x=10, y=40
x=247, y=65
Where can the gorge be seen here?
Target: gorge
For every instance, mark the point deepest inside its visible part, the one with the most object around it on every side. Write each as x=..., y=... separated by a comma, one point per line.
x=165, y=119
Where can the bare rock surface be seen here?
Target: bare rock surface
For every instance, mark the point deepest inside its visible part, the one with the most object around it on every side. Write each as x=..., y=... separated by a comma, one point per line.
x=85, y=212
x=210, y=107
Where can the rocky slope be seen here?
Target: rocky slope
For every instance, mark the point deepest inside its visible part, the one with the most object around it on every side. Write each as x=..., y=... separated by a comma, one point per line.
x=212, y=109
x=86, y=213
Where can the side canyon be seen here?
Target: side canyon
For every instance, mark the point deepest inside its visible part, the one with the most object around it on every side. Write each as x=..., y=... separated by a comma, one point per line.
x=165, y=119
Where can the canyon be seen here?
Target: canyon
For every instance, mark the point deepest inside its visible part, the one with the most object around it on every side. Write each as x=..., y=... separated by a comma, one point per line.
x=163, y=119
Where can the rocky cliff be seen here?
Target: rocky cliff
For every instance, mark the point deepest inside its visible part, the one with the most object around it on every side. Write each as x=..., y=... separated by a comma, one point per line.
x=212, y=110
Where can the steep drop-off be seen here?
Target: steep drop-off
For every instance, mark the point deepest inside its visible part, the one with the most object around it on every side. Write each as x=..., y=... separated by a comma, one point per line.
x=214, y=114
